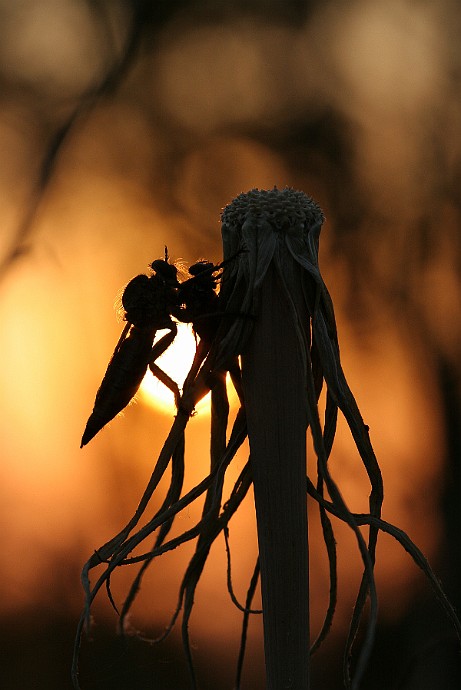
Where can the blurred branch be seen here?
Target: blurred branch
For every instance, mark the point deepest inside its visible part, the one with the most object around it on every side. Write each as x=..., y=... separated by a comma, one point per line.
x=88, y=101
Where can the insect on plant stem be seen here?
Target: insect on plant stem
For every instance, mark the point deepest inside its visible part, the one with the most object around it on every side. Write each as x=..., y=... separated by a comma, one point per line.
x=149, y=303
x=275, y=313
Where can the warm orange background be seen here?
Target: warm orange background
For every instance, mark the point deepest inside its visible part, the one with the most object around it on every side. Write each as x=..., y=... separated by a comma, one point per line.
x=358, y=105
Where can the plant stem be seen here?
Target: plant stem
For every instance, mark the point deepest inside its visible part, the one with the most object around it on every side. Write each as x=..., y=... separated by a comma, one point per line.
x=275, y=401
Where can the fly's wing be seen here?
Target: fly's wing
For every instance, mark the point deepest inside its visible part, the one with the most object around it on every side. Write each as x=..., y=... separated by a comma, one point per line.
x=122, y=379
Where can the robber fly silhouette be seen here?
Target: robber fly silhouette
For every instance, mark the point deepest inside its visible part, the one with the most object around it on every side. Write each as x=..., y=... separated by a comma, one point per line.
x=149, y=303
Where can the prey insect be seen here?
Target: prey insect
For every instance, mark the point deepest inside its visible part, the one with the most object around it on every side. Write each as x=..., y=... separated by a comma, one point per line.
x=201, y=306
x=149, y=304
x=200, y=301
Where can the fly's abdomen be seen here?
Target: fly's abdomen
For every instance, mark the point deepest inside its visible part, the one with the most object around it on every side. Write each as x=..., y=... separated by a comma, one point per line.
x=121, y=381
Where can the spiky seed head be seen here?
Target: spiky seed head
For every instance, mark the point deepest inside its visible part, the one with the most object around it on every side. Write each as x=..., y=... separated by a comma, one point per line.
x=281, y=208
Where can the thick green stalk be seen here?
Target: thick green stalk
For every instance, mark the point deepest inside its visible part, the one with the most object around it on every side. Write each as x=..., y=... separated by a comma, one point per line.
x=275, y=401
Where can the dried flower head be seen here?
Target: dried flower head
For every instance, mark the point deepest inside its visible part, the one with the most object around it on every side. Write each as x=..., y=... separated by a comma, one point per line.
x=259, y=227
x=286, y=210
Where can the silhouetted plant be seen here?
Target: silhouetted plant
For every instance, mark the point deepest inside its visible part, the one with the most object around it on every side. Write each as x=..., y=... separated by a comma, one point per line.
x=276, y=315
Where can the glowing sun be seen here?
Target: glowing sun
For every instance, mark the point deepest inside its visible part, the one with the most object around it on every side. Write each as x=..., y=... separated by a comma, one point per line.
x=176, y=362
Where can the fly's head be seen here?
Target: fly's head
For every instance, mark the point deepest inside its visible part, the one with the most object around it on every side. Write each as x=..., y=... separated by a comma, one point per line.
x=165, y=273
x=198, y=293
x=203, y=276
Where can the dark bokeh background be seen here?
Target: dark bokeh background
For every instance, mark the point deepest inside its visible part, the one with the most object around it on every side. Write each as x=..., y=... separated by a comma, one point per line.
x=128, y=125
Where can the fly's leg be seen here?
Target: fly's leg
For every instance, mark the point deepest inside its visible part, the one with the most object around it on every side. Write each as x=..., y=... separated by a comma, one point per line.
x=200, y=355
x=158, y=349
x=165, y=341
x=167, y=381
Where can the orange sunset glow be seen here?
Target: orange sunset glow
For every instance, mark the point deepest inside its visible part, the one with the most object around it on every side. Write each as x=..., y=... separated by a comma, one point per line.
x=357, y=104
